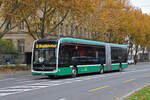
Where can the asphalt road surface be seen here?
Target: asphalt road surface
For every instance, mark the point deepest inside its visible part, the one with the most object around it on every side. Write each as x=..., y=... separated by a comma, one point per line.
x=107, y=86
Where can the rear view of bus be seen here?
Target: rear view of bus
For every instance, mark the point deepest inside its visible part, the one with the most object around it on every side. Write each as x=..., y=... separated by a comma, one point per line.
x=44, y=56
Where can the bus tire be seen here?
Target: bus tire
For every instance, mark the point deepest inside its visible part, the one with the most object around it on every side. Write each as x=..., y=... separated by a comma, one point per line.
x=74, y=72
x=120, y=68
x=102, y=69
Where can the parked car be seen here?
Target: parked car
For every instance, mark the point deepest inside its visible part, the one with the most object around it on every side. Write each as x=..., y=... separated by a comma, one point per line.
x=131, y=61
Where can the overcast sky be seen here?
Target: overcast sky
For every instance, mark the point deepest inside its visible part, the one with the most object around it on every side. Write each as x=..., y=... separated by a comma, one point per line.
x=143, y=4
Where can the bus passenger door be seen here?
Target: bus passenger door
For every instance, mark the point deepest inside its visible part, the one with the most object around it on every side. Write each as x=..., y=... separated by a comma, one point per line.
x=108, y=57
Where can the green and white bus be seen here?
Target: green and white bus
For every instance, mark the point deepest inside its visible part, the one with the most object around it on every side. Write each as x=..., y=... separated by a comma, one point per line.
x=70, y=56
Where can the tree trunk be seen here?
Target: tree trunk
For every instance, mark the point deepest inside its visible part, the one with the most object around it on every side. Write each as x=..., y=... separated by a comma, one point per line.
x=135, y=56
x=142, y=56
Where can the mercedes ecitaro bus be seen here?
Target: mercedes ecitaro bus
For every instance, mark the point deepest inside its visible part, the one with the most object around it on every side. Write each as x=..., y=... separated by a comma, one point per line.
x=70, y=56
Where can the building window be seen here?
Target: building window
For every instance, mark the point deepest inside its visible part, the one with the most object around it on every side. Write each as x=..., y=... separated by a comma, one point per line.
x=72, y=29
x=66, y=30
x=9, y=26
x=84, y=33
x=61, y=30
x=22, y=25
x=21, y=45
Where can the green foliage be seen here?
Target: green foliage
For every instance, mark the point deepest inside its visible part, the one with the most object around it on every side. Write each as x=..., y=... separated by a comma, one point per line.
x=40, y=16
x=6, y=47
x=143, y=94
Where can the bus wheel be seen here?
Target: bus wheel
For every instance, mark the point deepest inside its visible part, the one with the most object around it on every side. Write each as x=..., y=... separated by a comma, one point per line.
x=102, y=70
x=74, y=72
x=120, y=68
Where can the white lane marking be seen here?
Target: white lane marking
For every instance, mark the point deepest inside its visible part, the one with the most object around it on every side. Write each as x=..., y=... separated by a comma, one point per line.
x=56, y=84
x=5, y=94
x=62, y=99
x=43, y=83
x=15, y=90
x=27, y=87
x=69, y=82
x=37, y=86
x=56, y=81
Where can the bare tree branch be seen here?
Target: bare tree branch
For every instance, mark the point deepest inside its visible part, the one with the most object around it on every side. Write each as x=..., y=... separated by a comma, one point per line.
x=4, y=22
x=28, y=27
x=59, y=22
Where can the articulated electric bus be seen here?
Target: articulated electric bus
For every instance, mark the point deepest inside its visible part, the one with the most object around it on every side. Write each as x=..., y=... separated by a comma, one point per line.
x=70, y=56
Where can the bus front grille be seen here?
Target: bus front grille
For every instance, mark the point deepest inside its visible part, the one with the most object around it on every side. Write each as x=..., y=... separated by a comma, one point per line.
x=44, y=67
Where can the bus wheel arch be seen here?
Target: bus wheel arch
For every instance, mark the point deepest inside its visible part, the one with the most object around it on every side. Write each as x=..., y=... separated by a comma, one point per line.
x=101, y=69
x=120, y=67
x=74, y=71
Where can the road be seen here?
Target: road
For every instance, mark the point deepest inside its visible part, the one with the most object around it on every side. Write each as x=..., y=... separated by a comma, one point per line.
x=107, y=86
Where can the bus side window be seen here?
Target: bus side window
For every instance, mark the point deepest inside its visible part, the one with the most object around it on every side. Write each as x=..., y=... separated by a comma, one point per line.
x=65, y=55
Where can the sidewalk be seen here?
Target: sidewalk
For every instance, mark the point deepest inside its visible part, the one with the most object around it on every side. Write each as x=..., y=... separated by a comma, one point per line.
x=14, y=74
x=140, y=63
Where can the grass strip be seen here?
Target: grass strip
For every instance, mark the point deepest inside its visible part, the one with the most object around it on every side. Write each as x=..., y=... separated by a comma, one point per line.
x=143, y=94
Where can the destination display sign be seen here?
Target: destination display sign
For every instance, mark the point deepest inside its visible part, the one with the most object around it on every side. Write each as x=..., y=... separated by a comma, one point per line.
x=46, y=45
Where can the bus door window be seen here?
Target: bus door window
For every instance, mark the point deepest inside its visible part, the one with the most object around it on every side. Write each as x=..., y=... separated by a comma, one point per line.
x=114, y=54
x=65, y=55
x=101, y=54
x=124, y=55
x=118, y=55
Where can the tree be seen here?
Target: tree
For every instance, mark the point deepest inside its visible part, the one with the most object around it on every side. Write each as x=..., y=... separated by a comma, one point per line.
x=104, y=20
x=11, y=14
x=107, y=23
x=6, y=47
x=44, y=22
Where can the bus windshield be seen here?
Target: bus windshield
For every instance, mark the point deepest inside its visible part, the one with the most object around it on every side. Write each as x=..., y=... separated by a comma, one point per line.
x=44, y=56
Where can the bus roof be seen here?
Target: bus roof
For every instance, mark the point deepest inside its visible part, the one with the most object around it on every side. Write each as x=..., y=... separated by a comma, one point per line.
x=90, y=42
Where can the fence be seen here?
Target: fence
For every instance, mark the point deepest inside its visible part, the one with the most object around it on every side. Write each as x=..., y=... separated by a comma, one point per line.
x=24, y=58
